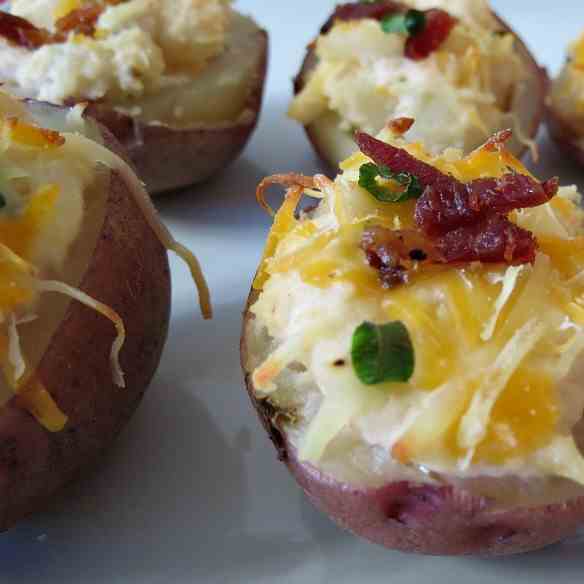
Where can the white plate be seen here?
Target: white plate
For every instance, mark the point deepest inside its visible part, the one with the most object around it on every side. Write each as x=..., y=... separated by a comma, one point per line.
x=193, y=492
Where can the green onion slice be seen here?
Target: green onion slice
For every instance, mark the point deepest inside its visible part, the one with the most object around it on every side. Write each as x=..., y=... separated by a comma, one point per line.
x=411, y=187
x=382, y=353
x=409, y=23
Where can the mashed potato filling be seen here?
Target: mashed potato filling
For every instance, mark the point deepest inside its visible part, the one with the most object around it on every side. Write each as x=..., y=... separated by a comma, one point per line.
x=496, y=388
x=41, y=213
x=53, y=201
x=567, y=95
x=459, y=95
x=139, y=47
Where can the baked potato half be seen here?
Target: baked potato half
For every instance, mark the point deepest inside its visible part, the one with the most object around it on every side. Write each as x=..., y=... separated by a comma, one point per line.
x=564, y=104
x=84, y=297
x=455, y=67
x=178, y=82
x=414, y=347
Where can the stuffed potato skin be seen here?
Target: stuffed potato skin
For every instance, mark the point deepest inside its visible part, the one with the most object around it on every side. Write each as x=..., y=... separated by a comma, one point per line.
x=168, y=158
x=129, y=271
x=416, y=518
x=529, y=105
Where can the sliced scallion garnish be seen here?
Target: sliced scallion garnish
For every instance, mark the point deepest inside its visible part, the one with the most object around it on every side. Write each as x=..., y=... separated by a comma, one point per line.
x=409, y=23
x=409, y=185
x=382, y=353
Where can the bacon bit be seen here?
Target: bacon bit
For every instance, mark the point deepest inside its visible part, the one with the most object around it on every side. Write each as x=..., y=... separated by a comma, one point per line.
x=392, y=252
x=289, y=180
x=438, y=26
x=440, y=210
x=457, y=222
x=418, y=46
x=400, y=126
x=81, y=20
x=399, y=160
x=361, y=10
x=495, y=239
x=448, y=203
x=22, y=33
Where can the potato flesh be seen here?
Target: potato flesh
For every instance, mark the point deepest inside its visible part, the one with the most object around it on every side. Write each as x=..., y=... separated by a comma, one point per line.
x=217, y=94
x=519, y=97
x=429, y=309
x=36, y=335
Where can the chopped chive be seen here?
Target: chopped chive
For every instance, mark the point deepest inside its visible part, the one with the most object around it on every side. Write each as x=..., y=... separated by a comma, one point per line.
x=408, y=23
x=382, y=353
x=368, y=174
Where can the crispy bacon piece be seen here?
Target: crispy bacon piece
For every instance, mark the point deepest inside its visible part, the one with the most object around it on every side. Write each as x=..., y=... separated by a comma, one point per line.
x=448, y=203
x=438, y=26
x=22, y=33
x=418, y=46
x=440, y=210
x=458, y=222
x=398, y=160
x=392, y=252
x=361, y=10
x=81, y=20
x=400, y=125
x=495, y=239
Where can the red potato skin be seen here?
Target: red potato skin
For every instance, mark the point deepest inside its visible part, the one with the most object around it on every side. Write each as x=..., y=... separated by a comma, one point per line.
x=129, y=271
x=537, y=98
x=168, y=158
x=419, y=518
x=564, y=136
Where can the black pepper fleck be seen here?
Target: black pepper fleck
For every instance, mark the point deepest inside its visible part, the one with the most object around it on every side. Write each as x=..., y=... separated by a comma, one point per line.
x=418, y=255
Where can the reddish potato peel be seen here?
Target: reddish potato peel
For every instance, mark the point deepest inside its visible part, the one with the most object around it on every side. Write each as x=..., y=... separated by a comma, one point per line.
x=564, y=135
x=168, y=157
x=438, y=519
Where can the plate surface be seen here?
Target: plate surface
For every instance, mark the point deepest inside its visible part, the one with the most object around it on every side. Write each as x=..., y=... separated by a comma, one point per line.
x=193, y=492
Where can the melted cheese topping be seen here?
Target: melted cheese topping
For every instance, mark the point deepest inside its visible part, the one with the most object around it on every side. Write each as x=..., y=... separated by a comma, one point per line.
x=362, y=80
x=43, y=177
x=498, y=349
x=140, y=47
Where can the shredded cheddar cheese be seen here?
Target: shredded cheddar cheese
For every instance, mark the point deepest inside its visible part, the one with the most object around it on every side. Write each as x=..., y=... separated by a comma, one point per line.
x=494, y=345
x=43, y=176
x=362, y=78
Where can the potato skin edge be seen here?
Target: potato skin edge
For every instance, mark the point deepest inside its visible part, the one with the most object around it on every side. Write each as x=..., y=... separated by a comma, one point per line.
x=564, y=136
x=418, y=518
x=129, y=271
x=527, y=57
x=167, y=158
